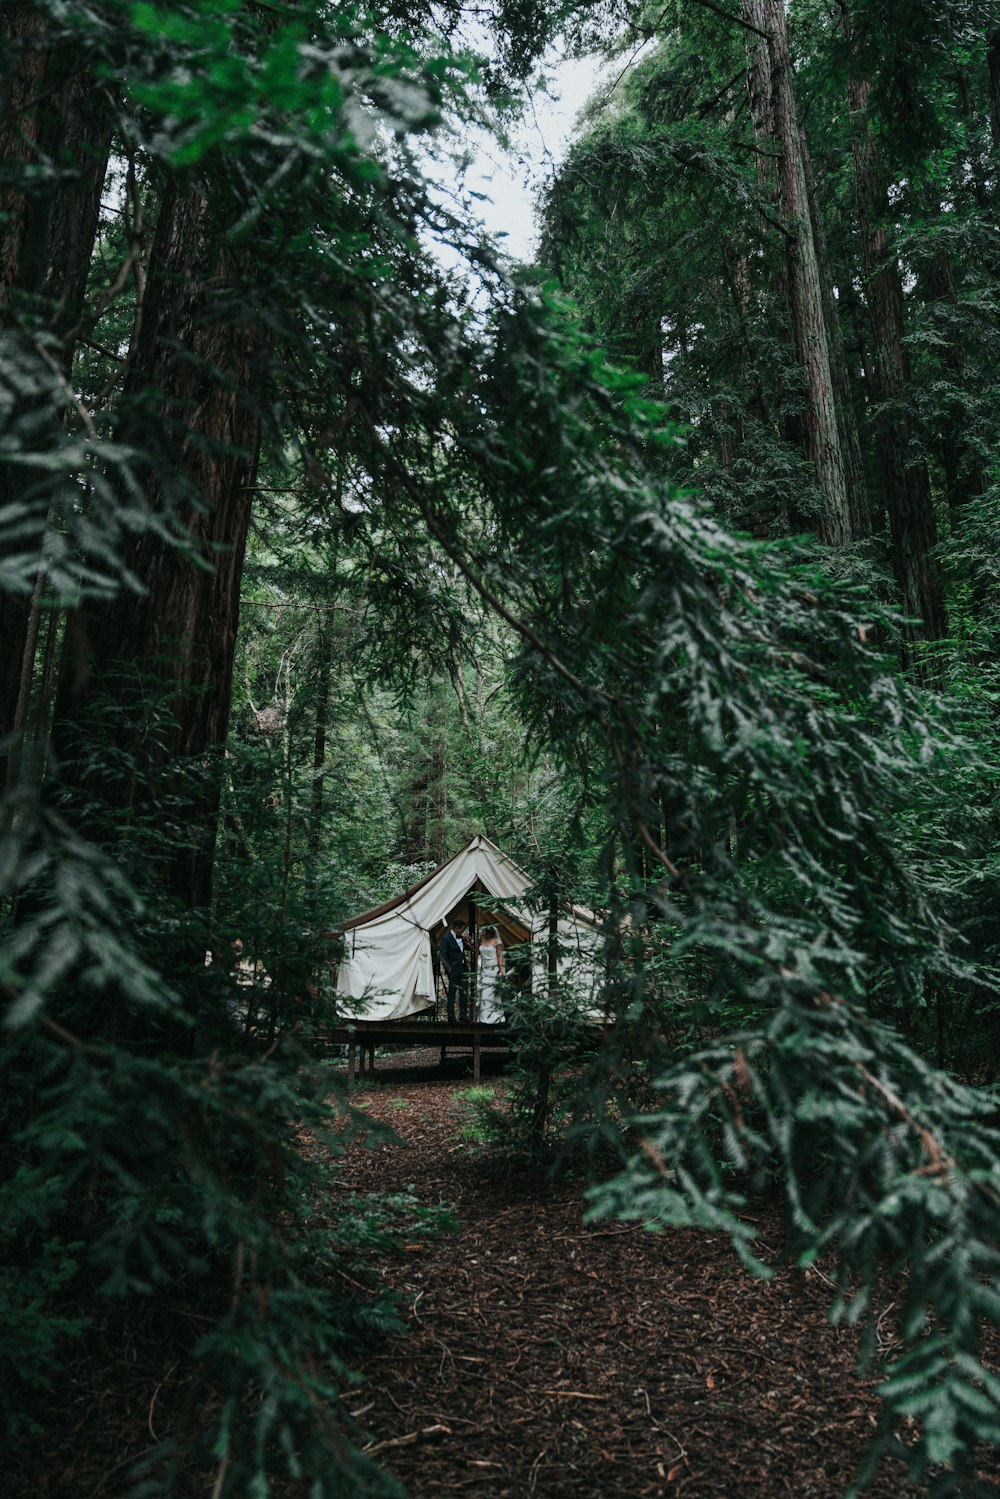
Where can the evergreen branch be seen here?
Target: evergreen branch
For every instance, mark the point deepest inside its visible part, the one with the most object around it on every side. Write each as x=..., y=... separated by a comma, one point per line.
x=586, y=690
x=736, y=20
x=707, y=105
x=472, y=576
x=940, y=1161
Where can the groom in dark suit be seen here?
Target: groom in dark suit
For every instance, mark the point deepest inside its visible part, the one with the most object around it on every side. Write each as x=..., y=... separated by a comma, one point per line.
x=452, y=950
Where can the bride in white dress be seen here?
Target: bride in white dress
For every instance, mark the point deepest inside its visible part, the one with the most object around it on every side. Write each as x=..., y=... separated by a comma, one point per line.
x=490, y=973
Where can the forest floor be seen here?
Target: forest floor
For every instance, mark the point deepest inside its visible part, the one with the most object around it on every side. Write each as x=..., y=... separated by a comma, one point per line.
x=543, y=1358
x=551, y=1357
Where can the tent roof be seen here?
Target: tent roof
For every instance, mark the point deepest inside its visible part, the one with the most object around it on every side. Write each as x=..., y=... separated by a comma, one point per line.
x=522, y=880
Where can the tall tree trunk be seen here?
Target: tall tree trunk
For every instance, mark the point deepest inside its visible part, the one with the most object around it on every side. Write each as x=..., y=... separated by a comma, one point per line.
x=904, y=473
x=51, y=118
x=324, y=662
x=192, y=400
x=822, y=432
x=858, y=321
x=963, y=470
x=993, y=65
x=858, y=501
x=761, y=99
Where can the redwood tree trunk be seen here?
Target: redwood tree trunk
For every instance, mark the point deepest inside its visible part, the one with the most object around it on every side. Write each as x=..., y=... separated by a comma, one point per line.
x=192, y=400
x=50, y=115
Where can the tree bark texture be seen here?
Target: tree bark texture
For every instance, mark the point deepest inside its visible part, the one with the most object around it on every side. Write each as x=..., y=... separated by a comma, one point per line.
x=738, y=278
x=193, y=401
x=790, y=426
x=805, y=292
x=858, y=500
x=904, y=473
x=55, y=138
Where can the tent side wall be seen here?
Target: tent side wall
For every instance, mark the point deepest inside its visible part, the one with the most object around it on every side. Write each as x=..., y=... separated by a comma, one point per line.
x=386, y=974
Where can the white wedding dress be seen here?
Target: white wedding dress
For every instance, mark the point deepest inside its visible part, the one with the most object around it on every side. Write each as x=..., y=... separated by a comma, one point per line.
x=490, y=1009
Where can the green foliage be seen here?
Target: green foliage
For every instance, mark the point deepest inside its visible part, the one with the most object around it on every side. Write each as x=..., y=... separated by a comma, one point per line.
x=474, y=1095
x=477, y=1111
x=137, y=1084
x=712, y=342
x=888, y=1167
x=79, y=931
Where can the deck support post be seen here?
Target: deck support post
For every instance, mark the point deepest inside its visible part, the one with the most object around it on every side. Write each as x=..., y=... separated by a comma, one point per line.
x=351, y=1059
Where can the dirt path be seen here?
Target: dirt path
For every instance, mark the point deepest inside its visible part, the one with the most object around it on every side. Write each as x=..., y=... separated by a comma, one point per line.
x=551, y=1358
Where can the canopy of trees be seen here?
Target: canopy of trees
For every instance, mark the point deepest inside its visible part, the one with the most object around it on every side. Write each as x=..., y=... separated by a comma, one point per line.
x=328, y=537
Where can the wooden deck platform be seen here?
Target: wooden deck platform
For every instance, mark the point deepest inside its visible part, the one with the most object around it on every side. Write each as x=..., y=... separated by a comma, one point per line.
x=361, y=1036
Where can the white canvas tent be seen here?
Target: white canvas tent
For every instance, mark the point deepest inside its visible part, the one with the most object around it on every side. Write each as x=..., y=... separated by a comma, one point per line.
x=387, y=970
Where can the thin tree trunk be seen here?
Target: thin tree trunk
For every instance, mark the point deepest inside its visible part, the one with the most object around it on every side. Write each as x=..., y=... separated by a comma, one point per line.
x=540, y=1112
x=904, y=474
x=439, y=805
x=859, y=327
x=737, y=280
x=324, y=662
x=993, y=65
x=963, y=472
x=822, y=433
x=973, y=161
x=28, y=645
x=859, y=504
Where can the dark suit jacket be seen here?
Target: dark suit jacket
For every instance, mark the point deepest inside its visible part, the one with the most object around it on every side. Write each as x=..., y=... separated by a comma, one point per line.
x=452, y=956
